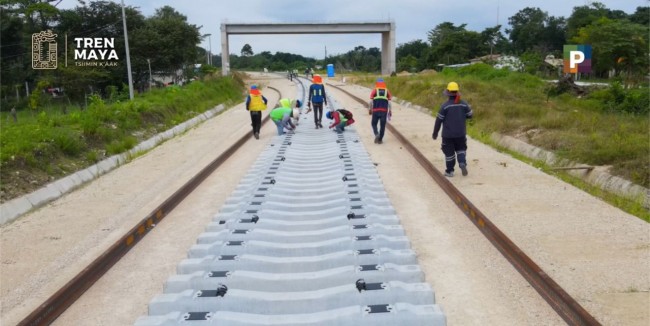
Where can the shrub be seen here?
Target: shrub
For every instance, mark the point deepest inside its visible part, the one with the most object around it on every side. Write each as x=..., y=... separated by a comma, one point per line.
x=68, y=142
x=618, y=99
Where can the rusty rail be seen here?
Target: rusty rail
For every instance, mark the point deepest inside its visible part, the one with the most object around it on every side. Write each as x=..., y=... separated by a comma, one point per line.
x=567, y=307
x=56, y=304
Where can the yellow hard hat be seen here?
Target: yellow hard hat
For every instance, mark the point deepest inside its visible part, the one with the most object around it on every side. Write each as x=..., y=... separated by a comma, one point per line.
x=452, y=87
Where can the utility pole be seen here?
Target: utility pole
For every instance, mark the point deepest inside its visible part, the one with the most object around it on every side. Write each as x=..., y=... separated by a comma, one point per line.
x=128, y=57
x=209, y=52
x=210, y=42
x=150, y=79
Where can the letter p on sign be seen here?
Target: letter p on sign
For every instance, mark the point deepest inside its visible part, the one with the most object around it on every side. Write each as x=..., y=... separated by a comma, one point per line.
x=577, y=58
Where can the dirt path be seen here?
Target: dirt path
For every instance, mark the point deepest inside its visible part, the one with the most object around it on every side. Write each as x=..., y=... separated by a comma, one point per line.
x=598, y=253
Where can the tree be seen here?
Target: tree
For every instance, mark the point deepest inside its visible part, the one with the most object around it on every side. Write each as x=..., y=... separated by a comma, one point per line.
x=407, y=63
x=583, y=16
x=533, y=29
x=442, y=31
x=641, y=16
x=168, y=40
x=618, y=45
x=415, y=49
x=246, y=50
x=459, y=47
x=100, y=19
x=492, y=37
x=19, y=20
x=454, y=44
x=526, y=30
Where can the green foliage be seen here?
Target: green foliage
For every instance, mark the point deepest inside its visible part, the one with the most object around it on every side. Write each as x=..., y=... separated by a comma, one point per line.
x=40, y=140
x=68, y=142
x=36, y=97
x=417, y=49
x=597, y=129
x=534, y=29
x=121, y=145
x=618, y=44
x=616, y=98
x=246, y=50
x=532, y=61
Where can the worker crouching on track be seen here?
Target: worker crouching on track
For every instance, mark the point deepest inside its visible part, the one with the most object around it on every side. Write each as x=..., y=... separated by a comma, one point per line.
x=255, y=104
x=282, y=116
x=380, y=109
x=342, y=118
x=452, y=116
x=317, y=98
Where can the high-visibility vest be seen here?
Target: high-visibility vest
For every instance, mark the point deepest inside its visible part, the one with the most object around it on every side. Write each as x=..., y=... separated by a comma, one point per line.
x=341, y=116
x=381, y=97
x=278, y=113
x=256, y=103
x=317, y=93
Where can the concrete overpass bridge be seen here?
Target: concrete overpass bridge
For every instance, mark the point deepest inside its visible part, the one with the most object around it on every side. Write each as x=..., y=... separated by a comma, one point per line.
x=386, y=29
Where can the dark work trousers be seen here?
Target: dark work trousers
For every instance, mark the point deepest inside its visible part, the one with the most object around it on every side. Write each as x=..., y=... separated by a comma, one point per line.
x=452, y=148
x=318, y=113
x=256, y=121
x=379, y=116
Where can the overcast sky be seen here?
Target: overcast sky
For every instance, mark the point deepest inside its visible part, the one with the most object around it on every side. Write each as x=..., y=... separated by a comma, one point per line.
x=413, y=18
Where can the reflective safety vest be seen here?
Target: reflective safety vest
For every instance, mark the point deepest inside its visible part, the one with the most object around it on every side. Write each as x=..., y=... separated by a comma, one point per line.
x=278, y=113
x=317, y=93
x=342, y=117
x=380, y=102
x=256, y=103
x=381, y=97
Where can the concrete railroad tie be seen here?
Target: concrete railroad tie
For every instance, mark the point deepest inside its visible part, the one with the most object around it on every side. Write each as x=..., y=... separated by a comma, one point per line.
x=309, y=237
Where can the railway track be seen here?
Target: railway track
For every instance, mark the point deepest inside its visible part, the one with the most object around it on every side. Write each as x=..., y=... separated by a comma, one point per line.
x=557, y=298
x=567, y=307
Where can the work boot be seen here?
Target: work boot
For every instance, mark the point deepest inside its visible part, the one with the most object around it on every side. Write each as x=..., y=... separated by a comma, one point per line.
x=463, y=169
x=449, y=174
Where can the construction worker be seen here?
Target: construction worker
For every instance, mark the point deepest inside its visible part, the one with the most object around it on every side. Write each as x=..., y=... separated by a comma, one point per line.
x=317, y=97
x=452, y=116
x=340, y=119
x=380, y=109
x=282, y=116
x=255, y=104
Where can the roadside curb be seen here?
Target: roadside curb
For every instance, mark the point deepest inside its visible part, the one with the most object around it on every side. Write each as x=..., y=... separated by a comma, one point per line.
x=597, y=177
x=13, y=209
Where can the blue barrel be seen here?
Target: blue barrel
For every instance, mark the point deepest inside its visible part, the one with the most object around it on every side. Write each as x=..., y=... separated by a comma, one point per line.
x=330, y=70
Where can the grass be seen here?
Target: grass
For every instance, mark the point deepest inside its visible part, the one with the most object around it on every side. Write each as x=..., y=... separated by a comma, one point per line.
x=51, y=142
x=606, y=128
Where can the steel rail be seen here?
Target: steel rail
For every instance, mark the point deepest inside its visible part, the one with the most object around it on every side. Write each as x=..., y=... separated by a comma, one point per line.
x=567, y=307
x=61, y=300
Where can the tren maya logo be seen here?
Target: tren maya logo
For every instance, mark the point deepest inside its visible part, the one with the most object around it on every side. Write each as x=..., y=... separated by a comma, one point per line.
x=95, y=52
x=577, y=58
x=44, y=50
x=88, y=51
